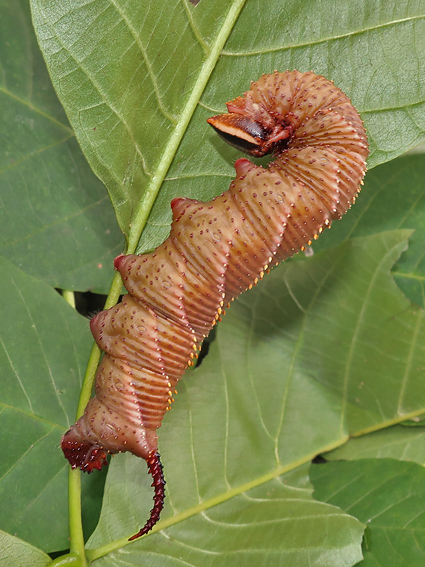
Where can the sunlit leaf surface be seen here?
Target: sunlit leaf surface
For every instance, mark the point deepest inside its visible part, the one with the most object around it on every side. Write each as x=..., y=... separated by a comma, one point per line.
x=125, y=97
x=17, y=553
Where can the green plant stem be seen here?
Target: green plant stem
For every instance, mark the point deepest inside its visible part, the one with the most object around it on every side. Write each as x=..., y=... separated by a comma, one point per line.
x=137, y=225
x=74, y=479
x=68, y=559
x=69, y=297
x=76, y=534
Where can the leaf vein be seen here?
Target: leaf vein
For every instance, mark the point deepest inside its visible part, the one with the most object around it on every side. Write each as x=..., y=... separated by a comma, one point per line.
x=323, y=40
x=151, y=74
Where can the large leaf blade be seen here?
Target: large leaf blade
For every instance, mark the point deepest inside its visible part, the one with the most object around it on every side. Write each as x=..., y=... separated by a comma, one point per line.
x=119, y=96
x=17, y=553
x=105, y=110
x=338, y=48
x=39, y=386
x=275, y=523
x=280, y=384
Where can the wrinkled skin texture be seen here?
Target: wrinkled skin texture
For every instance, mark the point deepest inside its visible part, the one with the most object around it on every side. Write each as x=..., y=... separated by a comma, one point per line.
x=216, y=251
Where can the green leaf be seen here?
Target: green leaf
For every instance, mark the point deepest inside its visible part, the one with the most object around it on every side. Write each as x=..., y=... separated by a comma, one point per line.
x=39, y=385
x=398, y=442
x=289, y=376
x=17, y=553
x=128, y=99
x=57, y=223
x=393, y=196
x=277, y=523
x=386, y=494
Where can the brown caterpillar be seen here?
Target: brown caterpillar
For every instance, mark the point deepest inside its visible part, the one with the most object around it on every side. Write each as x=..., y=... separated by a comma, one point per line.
x=215, y=251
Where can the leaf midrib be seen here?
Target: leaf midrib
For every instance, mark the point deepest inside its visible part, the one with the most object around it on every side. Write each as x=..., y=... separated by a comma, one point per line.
x=152, y=190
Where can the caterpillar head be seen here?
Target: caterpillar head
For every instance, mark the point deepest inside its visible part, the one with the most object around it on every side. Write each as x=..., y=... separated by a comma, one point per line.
x=250, y=136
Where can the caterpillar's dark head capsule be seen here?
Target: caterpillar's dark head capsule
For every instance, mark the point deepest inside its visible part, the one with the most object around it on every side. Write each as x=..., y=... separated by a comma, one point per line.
x=250, y=136
x=241, y=132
